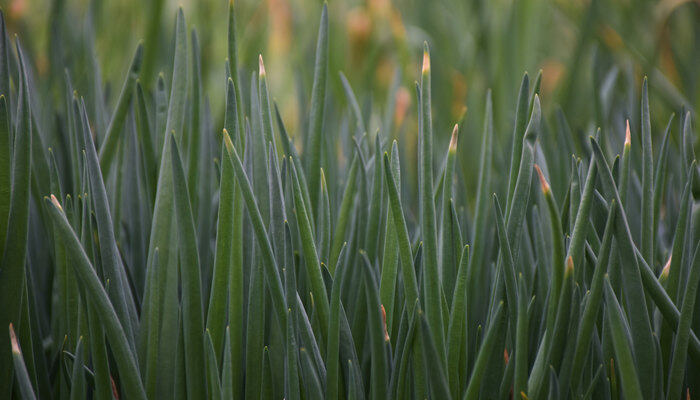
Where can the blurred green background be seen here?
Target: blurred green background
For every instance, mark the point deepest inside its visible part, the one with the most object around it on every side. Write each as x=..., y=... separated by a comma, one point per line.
x=593, y=53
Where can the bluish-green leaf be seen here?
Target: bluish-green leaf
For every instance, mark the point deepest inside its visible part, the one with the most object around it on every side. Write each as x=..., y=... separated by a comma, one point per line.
x=192, y=313
x=318, y=102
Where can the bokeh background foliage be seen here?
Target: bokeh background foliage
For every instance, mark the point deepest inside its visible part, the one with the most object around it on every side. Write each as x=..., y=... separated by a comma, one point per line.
x=586, y=49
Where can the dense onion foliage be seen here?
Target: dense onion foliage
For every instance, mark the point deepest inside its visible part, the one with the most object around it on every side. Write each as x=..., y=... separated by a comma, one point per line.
x=152, y=250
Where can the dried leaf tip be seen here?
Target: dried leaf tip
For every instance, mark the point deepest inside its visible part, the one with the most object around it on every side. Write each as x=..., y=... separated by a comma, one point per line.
x=426, y=59
x=543, y=181
x=227, y=141
x=569, y=267
x=261, y=66
x=13, y=339
x=55, y=202
x=667, y=269
x=628, y=135
x=453, y=139
x=386, y=332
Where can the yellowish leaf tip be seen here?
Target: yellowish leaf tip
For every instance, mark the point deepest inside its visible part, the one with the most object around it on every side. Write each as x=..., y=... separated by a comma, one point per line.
x=543, y=182
x=667, y=268
x=386, y=332
x=569, y=266
x=426, y=61
x=55, y=202
x=227, y=141
x=261, y=66
x=628, y=135
x=453, y=139
x=13, y=339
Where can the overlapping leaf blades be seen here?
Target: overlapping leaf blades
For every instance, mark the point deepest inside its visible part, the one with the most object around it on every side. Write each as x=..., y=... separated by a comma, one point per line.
x=238, y=265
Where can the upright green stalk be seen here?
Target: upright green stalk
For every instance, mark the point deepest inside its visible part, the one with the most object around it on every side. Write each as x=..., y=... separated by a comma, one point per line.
x=521, y=118
x=390, y=256
x=313, y=266
x=557, y=250
x=625, y=362
x=25, y=384
x=268, y=258
x=232, y=50
x=588, y=318
x=109, y=147
x=680, y=351
x=405, y=253
x=448, y=258
x=12, y=268
x=647, y=246
x=192, y=314
x=433, y=290
x=223, y=255
x=481, y=210
x=162, y=229
x=644, y=349
x=521, y=341
x=318, y=103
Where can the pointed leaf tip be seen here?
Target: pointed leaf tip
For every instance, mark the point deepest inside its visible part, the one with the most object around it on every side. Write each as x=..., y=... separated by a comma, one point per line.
x=227, y=141
x=628, y=135
x=13, y=339
x=261, y=66
x=426, y=58
x=667, y=268
x=453, y=139
x=386, y=332
x=543, y=181
x=569, y=267
x=55, y=202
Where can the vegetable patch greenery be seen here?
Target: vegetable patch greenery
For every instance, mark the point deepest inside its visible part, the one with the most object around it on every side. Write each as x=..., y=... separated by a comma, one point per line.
x=152, y=250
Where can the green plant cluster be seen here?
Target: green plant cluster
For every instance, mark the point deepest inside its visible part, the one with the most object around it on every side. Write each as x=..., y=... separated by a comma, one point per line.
x=149, y=251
